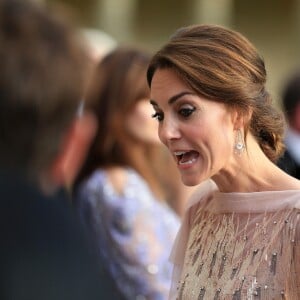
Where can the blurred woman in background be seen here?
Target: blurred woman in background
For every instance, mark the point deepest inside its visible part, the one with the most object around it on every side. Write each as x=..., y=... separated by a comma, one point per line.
x=119, y=193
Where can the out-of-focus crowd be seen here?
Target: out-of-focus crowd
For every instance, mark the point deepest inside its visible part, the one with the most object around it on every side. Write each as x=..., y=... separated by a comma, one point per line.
x=90, y=200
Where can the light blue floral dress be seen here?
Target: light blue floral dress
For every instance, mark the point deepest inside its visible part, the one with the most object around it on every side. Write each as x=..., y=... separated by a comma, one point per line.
x=134, y=233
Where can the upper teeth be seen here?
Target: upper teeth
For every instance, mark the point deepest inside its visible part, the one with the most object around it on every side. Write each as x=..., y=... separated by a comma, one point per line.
x=179, y=152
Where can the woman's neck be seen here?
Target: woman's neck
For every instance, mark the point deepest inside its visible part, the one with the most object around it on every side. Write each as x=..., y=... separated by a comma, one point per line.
x=252, y=171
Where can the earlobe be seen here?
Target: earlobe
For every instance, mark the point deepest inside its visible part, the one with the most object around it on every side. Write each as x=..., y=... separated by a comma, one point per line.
x=74, y=149
x=237, y=119
x=241, y=119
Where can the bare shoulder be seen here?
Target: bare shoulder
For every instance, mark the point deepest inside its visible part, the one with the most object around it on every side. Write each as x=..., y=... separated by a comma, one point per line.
x=293, y=183
x=201, y=192
x=117, y=177
x=284, y=181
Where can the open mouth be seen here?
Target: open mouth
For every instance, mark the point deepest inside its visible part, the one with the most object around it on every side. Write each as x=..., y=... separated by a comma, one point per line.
x=186, y=157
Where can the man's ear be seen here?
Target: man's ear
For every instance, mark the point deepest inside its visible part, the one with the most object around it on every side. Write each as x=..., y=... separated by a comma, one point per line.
x=74, y=149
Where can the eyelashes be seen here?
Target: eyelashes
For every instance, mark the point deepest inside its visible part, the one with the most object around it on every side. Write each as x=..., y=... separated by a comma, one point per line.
x=184, y=113
x=157, y=116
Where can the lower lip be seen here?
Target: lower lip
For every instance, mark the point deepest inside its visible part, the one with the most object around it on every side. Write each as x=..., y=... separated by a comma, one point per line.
x=187, y=165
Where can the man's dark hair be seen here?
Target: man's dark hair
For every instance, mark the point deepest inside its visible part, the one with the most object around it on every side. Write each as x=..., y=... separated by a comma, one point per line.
x=42, y=71
x=291, y=95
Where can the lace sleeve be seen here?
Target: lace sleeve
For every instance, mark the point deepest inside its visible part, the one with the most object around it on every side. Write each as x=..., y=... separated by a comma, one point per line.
x=296, y=259
x=292, y=275
x=134, y=237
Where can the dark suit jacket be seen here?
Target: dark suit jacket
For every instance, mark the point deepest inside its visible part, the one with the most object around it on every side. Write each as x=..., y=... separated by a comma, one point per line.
x=289, y=165
x=44, y=253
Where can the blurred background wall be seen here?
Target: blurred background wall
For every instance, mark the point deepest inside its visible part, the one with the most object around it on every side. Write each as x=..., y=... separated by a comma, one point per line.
x=272, y=25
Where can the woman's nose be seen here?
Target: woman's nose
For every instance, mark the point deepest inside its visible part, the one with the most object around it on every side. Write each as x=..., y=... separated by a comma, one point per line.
x=168, y=130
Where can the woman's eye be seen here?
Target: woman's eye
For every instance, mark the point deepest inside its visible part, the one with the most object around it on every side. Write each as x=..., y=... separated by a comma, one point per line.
x=158, y=116
x=186, y=112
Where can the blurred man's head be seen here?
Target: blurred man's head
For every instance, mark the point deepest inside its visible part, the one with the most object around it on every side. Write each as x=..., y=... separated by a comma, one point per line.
x=291, y=101
x=43, y=70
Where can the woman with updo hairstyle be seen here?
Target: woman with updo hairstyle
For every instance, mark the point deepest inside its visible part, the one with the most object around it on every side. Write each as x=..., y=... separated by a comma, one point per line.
x=241, y=231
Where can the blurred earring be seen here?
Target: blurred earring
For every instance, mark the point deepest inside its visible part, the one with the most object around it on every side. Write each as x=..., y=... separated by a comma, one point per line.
x=239, y=146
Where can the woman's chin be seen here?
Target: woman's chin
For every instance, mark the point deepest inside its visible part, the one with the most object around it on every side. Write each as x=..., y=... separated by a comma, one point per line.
x=191, y=181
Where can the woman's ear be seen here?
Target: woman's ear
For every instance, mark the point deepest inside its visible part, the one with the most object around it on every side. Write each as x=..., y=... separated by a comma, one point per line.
x=74, y=148
x=241, y=119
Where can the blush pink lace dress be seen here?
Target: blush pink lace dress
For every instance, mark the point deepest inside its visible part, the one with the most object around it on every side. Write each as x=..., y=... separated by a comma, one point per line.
x=238, y=246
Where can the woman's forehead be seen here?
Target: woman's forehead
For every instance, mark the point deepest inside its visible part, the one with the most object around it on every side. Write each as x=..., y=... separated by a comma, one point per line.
x=166, y=82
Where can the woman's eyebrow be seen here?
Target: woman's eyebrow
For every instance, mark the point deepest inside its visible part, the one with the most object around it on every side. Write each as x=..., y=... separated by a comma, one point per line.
x=176, y=97
x=153, y=102
x=173, y=98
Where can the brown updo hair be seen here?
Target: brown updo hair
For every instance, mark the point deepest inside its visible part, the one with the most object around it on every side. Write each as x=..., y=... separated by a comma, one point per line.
x=222, y=65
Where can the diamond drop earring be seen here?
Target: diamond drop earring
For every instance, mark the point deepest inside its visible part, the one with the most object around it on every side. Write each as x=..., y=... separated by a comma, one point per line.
x=239, y=146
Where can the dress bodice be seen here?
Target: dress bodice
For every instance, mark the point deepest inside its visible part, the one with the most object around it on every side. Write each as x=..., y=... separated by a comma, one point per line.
x=241, y=246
